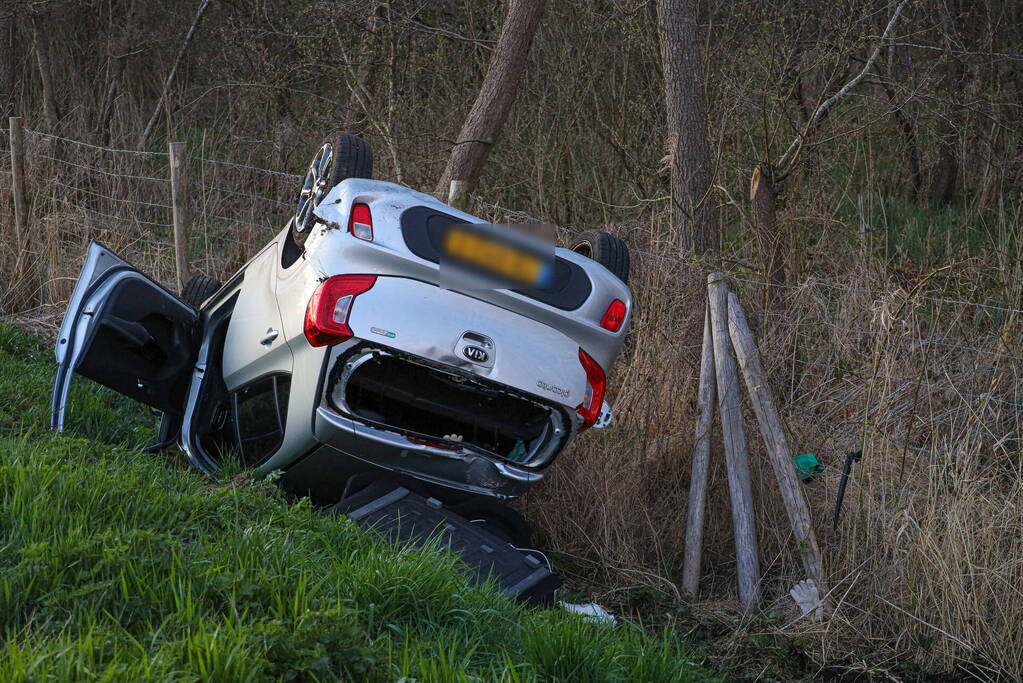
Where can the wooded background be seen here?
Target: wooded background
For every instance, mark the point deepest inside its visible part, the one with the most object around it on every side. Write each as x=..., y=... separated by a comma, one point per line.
x=855, y=167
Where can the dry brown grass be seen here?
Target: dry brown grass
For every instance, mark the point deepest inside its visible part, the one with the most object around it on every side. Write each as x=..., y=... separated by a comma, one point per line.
x=927, y=563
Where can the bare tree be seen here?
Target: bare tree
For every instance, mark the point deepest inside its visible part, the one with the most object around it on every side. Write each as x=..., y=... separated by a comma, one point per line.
x=363, y=79
x=118, y=51
x=8, y=54
x=693, y=213
x=943, y=185
x=41, y=38
x=497, y=93
x=148, y=130
x=767, y=178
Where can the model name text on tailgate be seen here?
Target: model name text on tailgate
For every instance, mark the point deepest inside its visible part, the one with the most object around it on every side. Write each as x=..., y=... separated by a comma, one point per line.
x=553, y=389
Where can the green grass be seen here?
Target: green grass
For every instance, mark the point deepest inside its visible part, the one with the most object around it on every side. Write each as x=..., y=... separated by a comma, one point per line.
x=116, y=565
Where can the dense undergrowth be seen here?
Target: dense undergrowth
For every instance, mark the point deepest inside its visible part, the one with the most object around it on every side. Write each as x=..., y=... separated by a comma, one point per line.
x=117, y=565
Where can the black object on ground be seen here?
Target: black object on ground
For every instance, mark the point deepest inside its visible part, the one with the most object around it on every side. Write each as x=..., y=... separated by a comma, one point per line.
x=170, y=430
x=846, y=469
x=401, y=515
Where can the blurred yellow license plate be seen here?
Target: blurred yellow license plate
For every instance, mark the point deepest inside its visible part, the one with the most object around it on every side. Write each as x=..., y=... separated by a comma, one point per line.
x=493, y=256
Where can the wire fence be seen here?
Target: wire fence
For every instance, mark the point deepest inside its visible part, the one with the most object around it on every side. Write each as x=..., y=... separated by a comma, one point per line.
x=849, y=354
x=80, y=190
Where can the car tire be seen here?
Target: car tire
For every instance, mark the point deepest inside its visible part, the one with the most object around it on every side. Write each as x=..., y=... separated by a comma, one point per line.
x=606, y=249
x=198, y=289
x=353, y=159
x=341, y=156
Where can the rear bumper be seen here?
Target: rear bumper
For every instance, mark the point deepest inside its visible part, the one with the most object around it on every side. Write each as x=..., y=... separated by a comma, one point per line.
x=462, y=470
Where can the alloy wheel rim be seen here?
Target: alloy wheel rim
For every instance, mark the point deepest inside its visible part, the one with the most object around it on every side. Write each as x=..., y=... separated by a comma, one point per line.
x=314, y=187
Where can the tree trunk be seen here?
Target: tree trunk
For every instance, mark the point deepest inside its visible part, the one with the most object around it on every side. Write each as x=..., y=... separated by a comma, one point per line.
x=42, y=45
x=943, y=184
x=164, y=101
x=483, y=125
x=365, y=76
x=902, y=114
x=7, y=66
x=113, y=88
x=763, y=193
x=693, y=213
x=118, y=48
x=912, y=151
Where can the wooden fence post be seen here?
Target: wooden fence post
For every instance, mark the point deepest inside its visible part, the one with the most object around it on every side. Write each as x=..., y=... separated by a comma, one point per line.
x=705, y=398
x=179, y=202
x=776, y=442
x=18, y=179
x=736, y=454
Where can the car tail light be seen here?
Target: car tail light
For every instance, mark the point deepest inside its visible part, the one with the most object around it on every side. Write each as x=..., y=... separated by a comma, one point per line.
x=614, y=316
x=593, y=398
x=326, y=317
x=360, y=222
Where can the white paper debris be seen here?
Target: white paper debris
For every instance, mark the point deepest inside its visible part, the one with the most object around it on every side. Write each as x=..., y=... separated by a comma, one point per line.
x=590, y=612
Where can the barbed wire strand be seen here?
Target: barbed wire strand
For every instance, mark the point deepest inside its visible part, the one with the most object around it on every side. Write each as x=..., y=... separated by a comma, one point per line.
x=132, y=202
x=248, y=195
x=247, y=167
x=98, y=147
x=213, y=216
x=122, y=218
x=96, y=169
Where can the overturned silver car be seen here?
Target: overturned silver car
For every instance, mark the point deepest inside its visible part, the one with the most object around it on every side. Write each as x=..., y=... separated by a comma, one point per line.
x=334, y=355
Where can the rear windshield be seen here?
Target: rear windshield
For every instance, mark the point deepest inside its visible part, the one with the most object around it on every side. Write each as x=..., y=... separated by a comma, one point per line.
x=422, y=228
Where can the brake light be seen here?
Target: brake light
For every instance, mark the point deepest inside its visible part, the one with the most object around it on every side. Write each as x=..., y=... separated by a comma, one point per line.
x=614, y=316
x=360, y=222
x=326, y=316
x=593, y=398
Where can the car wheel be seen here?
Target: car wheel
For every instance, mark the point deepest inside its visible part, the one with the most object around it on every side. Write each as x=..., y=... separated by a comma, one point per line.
x=605, y=249
x=340, y=157
x=198, y=289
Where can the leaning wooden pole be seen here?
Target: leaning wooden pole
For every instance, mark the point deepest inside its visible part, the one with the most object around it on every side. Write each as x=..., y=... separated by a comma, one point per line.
x=705, y=398
x=776, y=442
x=483, y=124
x=736, y=454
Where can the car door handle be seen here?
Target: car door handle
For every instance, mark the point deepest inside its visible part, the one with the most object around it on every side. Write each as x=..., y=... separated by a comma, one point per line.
x=271, y=334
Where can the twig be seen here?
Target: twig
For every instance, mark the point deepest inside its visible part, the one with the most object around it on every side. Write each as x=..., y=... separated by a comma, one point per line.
x=144, y=138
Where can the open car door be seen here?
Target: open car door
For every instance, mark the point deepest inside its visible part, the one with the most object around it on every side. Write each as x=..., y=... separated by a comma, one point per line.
x=126, y=332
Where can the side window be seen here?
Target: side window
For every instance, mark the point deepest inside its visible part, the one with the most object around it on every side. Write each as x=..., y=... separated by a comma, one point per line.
x=261, y=411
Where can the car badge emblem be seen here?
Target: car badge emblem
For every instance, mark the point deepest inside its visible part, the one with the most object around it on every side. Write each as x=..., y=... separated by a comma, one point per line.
x=475, y=354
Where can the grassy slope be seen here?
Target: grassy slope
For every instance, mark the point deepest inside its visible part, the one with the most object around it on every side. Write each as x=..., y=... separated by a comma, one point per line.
x=118, y=565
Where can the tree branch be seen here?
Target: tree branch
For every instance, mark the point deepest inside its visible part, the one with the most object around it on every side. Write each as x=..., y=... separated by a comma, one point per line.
x=792, y=152
x=144, y=138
